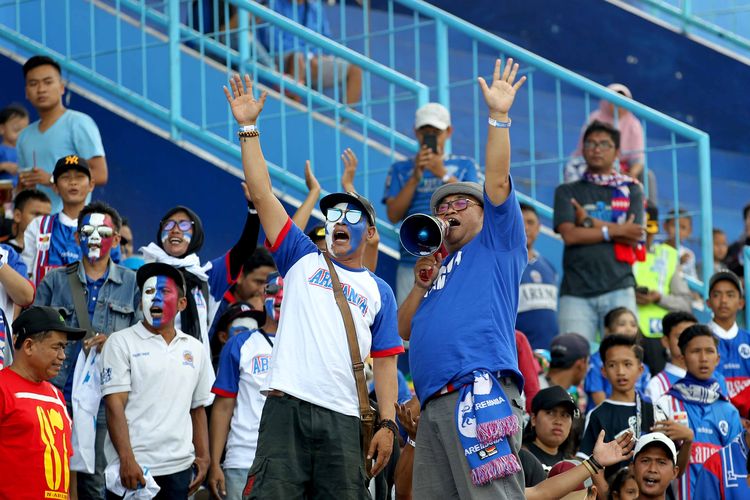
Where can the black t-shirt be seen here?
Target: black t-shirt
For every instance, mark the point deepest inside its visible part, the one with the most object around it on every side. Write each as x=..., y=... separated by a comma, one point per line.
x=545, y=458
x=533, y=471
x=591, y=270
x=615, y=417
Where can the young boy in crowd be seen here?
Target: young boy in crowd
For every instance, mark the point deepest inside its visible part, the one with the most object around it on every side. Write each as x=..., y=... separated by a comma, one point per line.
x=673, y=324
x=685, y=224
x=624, y=410
x=726, y=299
x=27, y=206
x=13, y=119
x=721, y=248
x=694, y=412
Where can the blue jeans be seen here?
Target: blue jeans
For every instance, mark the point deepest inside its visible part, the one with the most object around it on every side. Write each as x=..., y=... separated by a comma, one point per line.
x=585, y=315
x=234, y=481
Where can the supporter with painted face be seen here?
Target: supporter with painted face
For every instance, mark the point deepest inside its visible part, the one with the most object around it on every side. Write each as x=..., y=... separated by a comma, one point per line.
x=178, y=239
x=311, y=372
x=272, y=297
x=235, y=416
x=143, y=366
x=110, y=294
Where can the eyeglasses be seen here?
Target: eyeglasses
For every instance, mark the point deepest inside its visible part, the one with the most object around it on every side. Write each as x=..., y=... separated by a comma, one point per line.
x=184, y=225
x=103, y=231
x=603, y=145
x=457, y=205
x=335, y=215
x=273, y=289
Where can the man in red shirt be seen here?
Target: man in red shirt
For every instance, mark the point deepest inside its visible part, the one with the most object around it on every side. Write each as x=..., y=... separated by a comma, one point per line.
x=34, y=423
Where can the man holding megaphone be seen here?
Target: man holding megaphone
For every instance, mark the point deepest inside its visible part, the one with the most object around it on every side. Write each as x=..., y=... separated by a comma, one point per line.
x=460, y=319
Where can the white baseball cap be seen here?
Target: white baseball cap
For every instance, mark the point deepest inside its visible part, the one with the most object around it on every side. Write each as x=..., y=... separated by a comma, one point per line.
x=434, y=115
x=658, y=438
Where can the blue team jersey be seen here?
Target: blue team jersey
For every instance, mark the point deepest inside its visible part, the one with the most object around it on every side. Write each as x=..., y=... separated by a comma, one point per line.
x=596, y=382
x=537, y=303
x=461, y=167
x=8, y=154
x=467, y=319
x=714, y=425
x=735, y=361
x=724, y=474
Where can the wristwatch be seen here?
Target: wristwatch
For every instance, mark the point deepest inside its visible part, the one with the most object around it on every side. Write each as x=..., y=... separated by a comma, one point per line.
x=588, y=222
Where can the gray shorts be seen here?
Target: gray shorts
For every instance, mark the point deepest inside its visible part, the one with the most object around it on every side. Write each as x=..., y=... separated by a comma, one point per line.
x=440, y=467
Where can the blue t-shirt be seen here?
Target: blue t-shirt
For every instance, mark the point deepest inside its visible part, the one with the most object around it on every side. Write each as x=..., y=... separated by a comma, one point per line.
x=461, y=167
x=72, y=133
x=8, y=154
x=734, y=361
x=537, y=303
x=467, y=319
x=309, y=13
x=724, y=473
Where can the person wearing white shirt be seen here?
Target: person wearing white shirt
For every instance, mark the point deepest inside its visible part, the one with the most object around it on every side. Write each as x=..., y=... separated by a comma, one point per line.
x=156, y=381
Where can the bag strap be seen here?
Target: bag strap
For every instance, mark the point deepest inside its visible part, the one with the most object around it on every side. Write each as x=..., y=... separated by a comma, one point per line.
x=79, y=301
x=358, y=366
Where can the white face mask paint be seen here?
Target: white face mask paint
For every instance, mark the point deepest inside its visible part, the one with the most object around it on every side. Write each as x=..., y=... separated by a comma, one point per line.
x=147, y=298
x=329, y=229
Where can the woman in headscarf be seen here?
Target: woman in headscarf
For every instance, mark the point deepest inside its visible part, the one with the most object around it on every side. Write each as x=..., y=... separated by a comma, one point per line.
x=178, y=239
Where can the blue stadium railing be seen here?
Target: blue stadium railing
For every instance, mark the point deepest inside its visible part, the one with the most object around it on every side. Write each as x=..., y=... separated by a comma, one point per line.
x=725, y=22
x=405, y=52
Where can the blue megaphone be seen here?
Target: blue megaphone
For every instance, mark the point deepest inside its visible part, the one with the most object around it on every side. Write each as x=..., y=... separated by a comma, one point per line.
x=422, y=234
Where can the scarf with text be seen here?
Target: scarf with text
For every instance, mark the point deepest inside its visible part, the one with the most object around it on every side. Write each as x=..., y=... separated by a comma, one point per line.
x=693, y=390
x=485, y=422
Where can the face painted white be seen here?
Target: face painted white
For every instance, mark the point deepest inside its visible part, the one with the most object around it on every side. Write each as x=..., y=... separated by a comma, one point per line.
x=248, y=323
x=147, y=298
x=94, y=242
x=329, y=229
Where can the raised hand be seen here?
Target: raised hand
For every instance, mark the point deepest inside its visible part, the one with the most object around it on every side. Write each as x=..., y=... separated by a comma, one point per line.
x=615, y=451
x=313, y=186
x=350, y=168
x=245, y=107
x=500, y=95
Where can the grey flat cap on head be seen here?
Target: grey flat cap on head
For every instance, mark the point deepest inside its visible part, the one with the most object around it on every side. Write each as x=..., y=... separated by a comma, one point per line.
x=471, y=188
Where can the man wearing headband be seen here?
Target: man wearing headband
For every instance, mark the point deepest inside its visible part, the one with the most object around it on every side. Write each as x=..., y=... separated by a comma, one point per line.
x=311, y=378
x=156, y=382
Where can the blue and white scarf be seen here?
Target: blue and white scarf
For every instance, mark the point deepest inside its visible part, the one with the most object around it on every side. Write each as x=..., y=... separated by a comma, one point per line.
x=693, y=390
x=485, y=421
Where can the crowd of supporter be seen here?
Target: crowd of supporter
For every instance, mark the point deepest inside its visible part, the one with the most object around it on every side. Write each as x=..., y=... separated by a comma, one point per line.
x=141, y=372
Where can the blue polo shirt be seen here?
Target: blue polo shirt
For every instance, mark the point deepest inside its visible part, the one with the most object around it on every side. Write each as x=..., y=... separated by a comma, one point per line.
x=462, y=168
x=309, y=13
x=467, y=319
x=537, y=303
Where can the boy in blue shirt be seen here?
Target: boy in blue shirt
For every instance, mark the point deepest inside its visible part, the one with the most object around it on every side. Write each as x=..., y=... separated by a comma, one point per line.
x=696, y=403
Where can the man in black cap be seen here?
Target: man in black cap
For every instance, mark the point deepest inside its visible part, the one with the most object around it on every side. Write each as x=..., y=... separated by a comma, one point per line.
x=569, y=360
x=49, y=240
x=156, y=381
x=35, y=427
x=311, y=376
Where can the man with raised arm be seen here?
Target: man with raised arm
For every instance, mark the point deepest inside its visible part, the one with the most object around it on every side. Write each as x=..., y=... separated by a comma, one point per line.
x=309, y=441
x=460, y=317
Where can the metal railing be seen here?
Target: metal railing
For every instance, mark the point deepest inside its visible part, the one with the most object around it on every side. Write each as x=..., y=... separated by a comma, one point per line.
x=154, y=57
x=447, y=53
x=725, y=22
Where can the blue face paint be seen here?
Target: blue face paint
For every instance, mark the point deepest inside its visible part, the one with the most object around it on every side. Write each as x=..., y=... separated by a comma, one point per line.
x=273, y=295
x=357, y=232
x=153, y=296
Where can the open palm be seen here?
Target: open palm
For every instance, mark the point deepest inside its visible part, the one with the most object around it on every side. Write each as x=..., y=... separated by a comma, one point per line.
x=245, y=107
x=615, y=451
x=500, y=95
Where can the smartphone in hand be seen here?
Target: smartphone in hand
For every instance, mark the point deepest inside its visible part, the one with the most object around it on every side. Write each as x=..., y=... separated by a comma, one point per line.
x=430, y=141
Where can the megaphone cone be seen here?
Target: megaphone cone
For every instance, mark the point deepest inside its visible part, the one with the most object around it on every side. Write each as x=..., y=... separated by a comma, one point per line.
x=422, y=234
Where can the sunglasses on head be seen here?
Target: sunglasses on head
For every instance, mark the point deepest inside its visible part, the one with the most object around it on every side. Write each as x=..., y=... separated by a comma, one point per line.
x=351, y=216
x=103, y=231
x=457, y=205
x=184, y=225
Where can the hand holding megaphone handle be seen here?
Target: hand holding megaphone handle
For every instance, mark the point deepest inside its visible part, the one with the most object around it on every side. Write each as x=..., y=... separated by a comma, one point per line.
x=426, y=267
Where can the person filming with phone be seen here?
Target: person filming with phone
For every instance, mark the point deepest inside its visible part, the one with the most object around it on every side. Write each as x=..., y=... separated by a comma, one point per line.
x=411, y=183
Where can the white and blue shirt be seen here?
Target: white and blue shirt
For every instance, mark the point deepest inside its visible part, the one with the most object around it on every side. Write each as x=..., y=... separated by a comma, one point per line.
x=311, y=358
x=467, y=319
x=537, y=303
x=243, y=367
x=734, y=357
